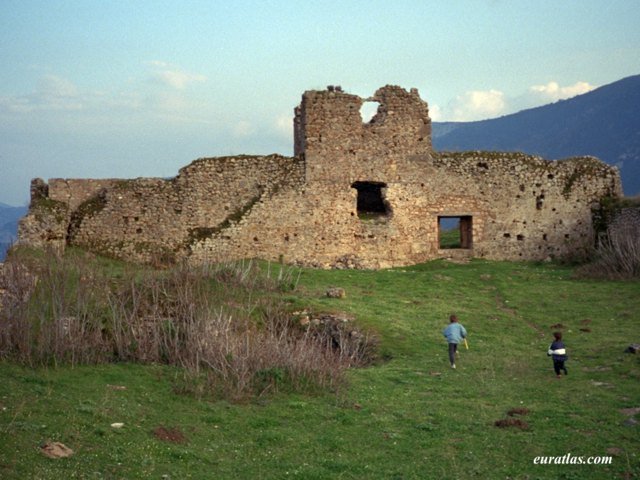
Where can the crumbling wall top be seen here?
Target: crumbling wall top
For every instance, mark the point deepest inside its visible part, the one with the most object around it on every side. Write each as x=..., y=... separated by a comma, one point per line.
x=331, y=136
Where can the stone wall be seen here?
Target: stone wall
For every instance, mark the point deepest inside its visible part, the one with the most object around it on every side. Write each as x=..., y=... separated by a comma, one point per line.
x=521, y=207
x=536, y=208
x=141, y=219
x=366, y=195
x=74, y=192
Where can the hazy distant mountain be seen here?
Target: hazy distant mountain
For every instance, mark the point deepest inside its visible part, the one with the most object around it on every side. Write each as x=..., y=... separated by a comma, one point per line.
x=9, y=217
x=604, y=123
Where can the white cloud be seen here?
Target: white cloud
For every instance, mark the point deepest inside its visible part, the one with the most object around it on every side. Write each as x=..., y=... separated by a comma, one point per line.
x=243, y=128
x=435, y=112
x=158, y=63
x=173, y=76
x=167, y=102
x=483, y=104
x=54, y=86
x=284, y=125
x=477, y=105
x=552, y=91
x=136, y=103
x=52, y=93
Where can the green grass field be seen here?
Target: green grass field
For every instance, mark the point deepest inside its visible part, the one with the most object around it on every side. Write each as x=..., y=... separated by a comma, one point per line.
x=410, y=417
x=450, y=238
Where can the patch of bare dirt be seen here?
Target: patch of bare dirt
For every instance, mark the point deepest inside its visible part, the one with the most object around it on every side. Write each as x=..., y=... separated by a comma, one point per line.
x=56, y=450
x=518, y=411
x=512, y=422
x=172, y=435
x=630, y=411
x=116, y=387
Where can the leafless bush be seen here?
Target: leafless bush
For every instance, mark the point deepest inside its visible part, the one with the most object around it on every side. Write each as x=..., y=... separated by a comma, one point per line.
x=246, y=274
x=176, y=319
x=16, y=287
x=338, y=332
x=617, y=256
x=224, y=325
x=53, y=312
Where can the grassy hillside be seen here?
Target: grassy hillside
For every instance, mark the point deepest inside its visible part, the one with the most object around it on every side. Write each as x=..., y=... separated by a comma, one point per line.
x=410, y=417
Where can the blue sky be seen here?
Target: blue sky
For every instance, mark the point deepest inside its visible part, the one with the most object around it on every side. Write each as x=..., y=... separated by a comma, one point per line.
x=140, y=88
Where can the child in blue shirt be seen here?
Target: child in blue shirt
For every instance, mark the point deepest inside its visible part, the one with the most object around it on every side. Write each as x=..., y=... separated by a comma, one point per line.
x=454, y=333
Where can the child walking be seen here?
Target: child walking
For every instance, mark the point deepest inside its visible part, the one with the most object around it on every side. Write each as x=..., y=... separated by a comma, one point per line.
x=558, y=353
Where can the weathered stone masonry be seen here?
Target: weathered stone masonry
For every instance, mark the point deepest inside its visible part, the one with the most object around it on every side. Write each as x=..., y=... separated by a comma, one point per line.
x=367, y=195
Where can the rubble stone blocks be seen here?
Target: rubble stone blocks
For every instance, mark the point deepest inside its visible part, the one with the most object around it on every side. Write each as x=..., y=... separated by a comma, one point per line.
x=355, y=195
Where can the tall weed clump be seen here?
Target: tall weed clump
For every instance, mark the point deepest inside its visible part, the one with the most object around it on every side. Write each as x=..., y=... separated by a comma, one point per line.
x=617, y=255
x=53, y=311
x=224, y=325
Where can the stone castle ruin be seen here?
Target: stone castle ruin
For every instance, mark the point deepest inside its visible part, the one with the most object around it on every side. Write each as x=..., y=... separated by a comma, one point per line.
x=354, y=195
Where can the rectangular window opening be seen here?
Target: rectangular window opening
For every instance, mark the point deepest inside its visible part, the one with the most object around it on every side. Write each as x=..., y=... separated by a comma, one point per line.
x=455, y=232
x=371, y=203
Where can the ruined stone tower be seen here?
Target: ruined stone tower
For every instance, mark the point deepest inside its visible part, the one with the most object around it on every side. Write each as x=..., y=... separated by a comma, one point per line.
x=355, y=194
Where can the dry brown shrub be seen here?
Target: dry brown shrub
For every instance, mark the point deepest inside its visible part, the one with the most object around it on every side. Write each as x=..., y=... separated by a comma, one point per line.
x=225, y=325
x=617, y=257
x=54, y=312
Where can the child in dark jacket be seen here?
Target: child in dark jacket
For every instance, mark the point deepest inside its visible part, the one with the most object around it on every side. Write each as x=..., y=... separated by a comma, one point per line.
x=558, y=353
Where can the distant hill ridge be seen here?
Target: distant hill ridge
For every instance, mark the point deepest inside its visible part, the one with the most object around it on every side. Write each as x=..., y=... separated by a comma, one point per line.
x=604, y=123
